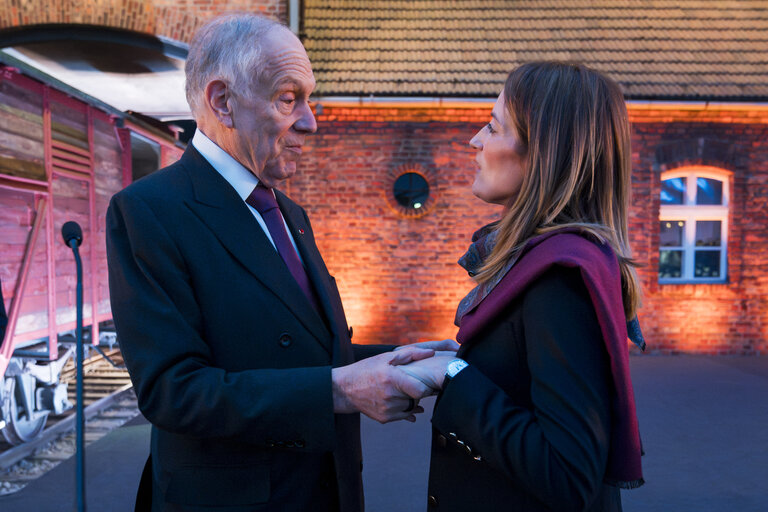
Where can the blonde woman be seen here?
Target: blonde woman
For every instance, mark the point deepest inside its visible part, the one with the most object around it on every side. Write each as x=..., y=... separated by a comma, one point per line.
x=536, y=412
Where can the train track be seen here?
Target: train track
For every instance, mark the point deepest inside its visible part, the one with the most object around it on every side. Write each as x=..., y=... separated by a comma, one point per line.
x=109, y=402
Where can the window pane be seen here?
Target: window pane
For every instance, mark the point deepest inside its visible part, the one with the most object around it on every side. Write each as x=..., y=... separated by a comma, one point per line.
x=707, y=264
x=411, y=190
x=671, y=233
x=709, y=191
x=708, y=233
x=673, y=191
x=670, y=264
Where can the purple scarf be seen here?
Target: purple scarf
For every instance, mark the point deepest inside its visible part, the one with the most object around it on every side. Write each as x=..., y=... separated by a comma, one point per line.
x=600, y=272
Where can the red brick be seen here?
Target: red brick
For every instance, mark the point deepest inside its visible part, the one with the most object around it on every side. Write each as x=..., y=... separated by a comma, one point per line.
x=398, y=276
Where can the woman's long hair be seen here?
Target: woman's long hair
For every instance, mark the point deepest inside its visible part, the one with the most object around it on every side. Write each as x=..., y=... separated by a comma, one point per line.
x=574, y=125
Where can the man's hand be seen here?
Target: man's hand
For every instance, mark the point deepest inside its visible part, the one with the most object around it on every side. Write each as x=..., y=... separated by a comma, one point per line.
x=375, y=387
x=431, y=372
x=437, y=346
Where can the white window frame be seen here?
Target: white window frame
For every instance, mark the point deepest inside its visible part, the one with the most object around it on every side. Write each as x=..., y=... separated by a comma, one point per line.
x=690, y=212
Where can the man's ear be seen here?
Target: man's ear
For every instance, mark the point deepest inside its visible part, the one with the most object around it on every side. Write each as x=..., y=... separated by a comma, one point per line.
x=218, y=99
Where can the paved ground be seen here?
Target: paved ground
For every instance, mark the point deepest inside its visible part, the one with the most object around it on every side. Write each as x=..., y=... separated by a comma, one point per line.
x=704, y=423
x=113, y=465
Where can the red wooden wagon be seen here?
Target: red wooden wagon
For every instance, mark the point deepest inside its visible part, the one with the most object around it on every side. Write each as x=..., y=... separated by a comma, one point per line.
x=62, y=156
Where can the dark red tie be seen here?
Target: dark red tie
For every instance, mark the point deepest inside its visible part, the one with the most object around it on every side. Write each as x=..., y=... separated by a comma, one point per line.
x=265, y=203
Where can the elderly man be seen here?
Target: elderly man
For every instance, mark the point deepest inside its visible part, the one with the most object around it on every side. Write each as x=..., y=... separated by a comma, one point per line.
x=230, y=324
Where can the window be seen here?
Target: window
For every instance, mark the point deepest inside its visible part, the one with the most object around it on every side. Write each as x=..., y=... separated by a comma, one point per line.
x=145, y=156
x=411, y=190
x=693, y=226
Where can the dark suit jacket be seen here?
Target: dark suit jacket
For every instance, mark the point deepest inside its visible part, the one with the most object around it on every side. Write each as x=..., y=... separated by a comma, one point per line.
x=230, y=362
x=3, y=315
x=533, y=405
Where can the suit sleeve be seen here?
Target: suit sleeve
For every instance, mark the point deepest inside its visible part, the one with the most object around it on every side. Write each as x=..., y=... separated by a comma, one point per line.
x=365, y=351
x=179, y=390
x=558, y=450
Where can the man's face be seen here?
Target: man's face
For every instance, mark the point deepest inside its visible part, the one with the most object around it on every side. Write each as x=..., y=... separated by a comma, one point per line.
x=272, y=119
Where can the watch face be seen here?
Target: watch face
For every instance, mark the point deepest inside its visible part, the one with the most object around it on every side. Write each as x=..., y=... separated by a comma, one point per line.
x=455, y=367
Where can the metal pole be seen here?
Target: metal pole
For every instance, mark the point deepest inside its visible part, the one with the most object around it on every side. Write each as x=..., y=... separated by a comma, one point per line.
x=80, y=421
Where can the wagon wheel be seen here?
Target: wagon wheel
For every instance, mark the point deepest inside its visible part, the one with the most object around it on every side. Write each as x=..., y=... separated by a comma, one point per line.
x=21, y=427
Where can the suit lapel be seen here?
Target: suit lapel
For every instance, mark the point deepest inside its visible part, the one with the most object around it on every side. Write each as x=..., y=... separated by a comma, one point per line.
x=313, y=262
x=218, y=206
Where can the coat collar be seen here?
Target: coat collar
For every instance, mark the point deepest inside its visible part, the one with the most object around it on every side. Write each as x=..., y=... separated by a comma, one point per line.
x=218, y=206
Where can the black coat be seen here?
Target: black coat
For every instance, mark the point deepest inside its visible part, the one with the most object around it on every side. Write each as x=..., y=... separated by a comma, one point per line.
x=3, y=315
x=533, y=406
x=230, y=362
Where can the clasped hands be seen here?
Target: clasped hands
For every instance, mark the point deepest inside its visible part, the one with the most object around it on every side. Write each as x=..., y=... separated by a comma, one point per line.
x=387, y=387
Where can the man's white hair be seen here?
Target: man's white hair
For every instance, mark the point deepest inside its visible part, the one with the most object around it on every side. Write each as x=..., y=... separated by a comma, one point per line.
x=226, y=48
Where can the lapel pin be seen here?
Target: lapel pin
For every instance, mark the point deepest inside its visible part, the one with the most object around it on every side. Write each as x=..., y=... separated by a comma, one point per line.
x=301, y=231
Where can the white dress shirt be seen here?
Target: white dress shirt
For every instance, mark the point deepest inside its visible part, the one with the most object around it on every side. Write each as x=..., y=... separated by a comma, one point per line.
x=240, y=178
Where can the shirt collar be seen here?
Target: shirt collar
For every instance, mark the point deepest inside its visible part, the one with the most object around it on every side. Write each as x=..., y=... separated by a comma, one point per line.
x=241, y=179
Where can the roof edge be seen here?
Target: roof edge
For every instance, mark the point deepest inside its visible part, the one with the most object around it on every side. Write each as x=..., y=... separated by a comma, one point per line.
x=404, y=101
x=480, y=102
x=43, y=77
x=696, y=105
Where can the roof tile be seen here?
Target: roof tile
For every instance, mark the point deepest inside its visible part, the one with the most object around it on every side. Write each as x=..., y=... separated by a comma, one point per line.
x=653, y=48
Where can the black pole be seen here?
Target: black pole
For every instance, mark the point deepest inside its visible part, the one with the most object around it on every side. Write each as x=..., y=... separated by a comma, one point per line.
x=80, y=423
x=73, y=237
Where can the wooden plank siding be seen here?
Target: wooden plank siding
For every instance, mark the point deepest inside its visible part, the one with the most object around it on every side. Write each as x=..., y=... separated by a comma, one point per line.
x=21, y=133
x=61, y=151
x=16, y=218
x=107, y=180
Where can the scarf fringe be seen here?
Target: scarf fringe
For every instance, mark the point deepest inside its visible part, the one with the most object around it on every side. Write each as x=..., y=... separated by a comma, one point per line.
x=622, y=484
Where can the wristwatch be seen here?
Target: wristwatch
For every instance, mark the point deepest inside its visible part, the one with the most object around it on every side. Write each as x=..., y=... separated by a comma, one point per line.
x=454, y=367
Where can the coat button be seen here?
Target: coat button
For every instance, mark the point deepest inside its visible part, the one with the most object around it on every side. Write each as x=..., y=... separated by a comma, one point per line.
x=270, y=443
x=441, y=441
x=299, y=444
x=285, y=340
x=351, y=331
x=432, y=501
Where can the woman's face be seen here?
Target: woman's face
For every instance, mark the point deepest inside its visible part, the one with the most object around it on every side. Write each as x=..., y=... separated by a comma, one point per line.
x=500, y=156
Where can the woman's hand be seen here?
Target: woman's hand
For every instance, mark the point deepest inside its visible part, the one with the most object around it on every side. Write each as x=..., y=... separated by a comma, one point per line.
x=430, y=371
x=437, y=345
x=375, y=386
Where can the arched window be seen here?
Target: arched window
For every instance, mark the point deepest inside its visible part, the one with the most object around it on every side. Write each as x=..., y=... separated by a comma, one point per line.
x=693, y=227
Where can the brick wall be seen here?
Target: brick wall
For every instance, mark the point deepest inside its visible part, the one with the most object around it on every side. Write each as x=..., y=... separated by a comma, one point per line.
x=175, y=19
x=398, y=277
x=729, y=318
x=397, y=274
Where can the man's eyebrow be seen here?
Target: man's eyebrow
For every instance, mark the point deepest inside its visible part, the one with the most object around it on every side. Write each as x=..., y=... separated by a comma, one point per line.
x=292, y=83
x=287, y=82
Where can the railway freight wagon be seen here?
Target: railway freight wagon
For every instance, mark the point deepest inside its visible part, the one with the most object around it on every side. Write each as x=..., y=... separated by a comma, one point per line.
x=62, y=156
